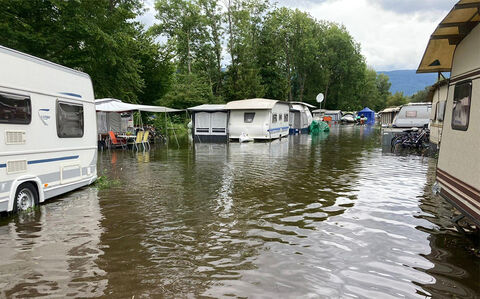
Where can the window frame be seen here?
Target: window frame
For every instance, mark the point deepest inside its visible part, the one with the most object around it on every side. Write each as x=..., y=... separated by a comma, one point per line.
x=29, y=106
x=286, y=117
x=274, y=118
x=57, y=106
x=245, y=117
x=465, y=127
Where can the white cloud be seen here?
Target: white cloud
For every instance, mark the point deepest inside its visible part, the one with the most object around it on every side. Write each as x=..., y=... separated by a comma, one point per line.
x=390, y=38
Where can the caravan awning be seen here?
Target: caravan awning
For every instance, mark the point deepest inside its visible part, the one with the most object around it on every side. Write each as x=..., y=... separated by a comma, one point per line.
x=449, y=33
x=114, y=105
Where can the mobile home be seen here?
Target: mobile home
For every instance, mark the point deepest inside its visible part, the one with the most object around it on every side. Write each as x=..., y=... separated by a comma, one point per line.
x=209, y=123
x=387, y=116
x=48, y=142
x=453, y=48
x=300, y=117
x=336, y=115
x=258, y=118
x=413, y=115
x=438, y=96
x=318, y=114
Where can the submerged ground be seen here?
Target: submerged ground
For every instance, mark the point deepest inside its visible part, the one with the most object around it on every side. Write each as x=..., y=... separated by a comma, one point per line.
x=326, y=216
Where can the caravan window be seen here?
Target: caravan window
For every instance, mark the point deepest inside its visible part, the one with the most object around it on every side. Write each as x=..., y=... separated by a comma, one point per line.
x=461, y=106
x=248, y=117
x=69, y=120
x=280, y=116
x=285, y=118
x=15, y=109
x=411, y=114
x=440, y=110
x=274, y=118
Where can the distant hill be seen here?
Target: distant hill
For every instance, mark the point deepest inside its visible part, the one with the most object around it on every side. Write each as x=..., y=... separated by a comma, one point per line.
x=409, y=81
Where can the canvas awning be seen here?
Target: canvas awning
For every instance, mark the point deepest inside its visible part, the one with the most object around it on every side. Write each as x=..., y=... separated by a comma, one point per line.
x=114, y=105
x=449, y=33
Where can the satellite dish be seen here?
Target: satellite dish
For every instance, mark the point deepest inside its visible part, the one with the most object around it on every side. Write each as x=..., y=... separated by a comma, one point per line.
x=320, y=97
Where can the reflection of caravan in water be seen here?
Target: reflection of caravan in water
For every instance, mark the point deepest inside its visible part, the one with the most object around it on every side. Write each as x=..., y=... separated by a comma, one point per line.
x=48, y=141
x=456, y=50
x=258, y=118
x=413, y=115
x=300, y=117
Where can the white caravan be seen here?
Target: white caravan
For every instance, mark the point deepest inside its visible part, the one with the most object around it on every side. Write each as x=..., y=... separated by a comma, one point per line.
x=48, y=142
x=300, y=117
x=453, y=47
x=413, y=115
x=258, y=119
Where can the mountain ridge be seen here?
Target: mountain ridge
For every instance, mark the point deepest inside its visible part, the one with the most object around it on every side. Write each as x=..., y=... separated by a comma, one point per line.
x=408, y=81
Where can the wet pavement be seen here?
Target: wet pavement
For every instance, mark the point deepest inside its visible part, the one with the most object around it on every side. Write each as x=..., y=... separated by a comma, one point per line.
x=327, y=216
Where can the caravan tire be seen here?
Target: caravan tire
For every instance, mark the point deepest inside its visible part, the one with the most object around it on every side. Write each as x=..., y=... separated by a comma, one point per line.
x=26, y=197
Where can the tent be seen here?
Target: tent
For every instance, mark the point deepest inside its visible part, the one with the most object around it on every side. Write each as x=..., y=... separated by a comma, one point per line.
x=369, y=114
x=109, y=118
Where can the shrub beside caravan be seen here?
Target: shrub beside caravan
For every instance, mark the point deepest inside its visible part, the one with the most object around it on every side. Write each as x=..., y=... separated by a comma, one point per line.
x=456, y=51
x=48, y=141
x=438, y=96
x=209, y=123
x=413, y=115
x=300, y=117
x=258, y=119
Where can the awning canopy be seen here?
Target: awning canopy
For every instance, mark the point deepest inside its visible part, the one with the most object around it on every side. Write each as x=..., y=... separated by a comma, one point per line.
x=114, y=105
x=450, y=32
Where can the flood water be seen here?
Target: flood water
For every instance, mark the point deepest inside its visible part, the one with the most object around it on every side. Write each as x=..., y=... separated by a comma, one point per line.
x=330, y=216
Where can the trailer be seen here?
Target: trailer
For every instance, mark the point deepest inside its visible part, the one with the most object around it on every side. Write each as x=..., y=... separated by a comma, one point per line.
x=48, y=141
x=453, y=47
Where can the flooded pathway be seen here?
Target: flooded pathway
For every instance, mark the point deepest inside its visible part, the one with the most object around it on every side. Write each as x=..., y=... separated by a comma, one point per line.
x=329, y=216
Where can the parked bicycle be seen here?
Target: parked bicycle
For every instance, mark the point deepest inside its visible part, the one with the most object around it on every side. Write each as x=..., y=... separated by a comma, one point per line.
x=412, y=138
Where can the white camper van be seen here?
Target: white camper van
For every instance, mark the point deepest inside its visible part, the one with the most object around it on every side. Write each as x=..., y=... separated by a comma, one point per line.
x=453, y=47
x=48, y=140
x=258, y=118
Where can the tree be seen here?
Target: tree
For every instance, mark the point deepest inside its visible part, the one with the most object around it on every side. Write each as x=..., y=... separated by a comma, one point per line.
x=421, y=96
x=97, y=37
x=397, y=99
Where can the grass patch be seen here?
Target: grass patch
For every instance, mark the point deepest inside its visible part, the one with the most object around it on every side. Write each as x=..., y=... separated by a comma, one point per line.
x=104, y=182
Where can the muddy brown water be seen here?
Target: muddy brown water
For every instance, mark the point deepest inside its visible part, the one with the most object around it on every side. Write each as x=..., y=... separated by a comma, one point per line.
x=331, y=216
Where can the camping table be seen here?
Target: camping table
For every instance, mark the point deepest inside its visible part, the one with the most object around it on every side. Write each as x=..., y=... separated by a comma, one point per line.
x=128, y=138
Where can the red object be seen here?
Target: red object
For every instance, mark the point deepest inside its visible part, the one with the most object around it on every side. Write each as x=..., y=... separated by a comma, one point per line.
x=115, y=141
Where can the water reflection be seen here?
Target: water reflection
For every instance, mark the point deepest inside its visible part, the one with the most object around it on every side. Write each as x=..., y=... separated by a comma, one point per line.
x=308, y=216
x=53, y=251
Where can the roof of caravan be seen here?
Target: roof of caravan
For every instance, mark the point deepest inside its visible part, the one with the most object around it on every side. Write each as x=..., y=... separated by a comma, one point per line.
x=41, y=61
x=304, y=104
x=115, y=105
x=418, y=104
x=254, y=104
x=390, y=109
x=208, y=107
x=438, y=57
x=319, y=110
x=333, y=111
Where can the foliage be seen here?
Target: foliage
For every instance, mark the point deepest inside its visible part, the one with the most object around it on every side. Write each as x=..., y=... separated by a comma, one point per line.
x=397, y=99
x=272, y=52
x=421, y=96
x=98, y=37
x=105, y=182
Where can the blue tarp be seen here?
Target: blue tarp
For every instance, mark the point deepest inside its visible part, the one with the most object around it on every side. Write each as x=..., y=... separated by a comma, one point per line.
x=369, y=114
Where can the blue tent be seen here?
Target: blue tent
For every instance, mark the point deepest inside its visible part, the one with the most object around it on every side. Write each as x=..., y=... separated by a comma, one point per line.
x=369, y=114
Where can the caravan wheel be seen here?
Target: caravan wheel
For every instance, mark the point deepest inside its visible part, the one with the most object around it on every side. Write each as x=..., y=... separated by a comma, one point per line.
x=25, y=198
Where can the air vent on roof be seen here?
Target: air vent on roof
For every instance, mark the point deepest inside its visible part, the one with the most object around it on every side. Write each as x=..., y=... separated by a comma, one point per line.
x=15, y=137
x=16, y=166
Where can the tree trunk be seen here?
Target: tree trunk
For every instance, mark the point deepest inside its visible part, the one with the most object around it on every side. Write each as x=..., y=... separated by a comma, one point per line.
x=302, y=86
x=188, y=53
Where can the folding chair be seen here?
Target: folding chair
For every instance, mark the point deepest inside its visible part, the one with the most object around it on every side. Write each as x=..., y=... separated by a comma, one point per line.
x=138, y=140
x=114, y=142
x=145, y=140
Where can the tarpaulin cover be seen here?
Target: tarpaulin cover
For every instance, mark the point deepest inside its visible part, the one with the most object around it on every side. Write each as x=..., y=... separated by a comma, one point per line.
x=318, y=126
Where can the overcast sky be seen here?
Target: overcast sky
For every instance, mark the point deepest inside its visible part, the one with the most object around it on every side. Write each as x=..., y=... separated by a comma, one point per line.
x=393, y=33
